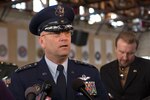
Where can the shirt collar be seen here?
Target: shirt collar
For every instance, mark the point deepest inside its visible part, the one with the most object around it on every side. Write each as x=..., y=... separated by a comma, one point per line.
x=53, y=67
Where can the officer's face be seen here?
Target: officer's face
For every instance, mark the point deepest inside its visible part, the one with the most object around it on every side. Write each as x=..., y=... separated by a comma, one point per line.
x=55, y=44
x=125, y=52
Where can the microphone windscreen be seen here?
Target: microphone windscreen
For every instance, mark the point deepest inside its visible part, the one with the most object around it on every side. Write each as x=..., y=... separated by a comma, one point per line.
x=78, y=84
x=30, y=92
x=47, y=87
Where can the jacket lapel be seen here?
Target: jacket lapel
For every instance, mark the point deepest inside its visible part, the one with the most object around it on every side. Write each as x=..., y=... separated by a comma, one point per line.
x=71, y=75
x=45, y=74
x=134, y=68
x=114, y=73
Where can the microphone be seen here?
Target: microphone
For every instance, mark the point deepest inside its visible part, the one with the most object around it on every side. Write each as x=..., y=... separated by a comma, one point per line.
x=78, y=85
x=30, y=93
x=46, y=91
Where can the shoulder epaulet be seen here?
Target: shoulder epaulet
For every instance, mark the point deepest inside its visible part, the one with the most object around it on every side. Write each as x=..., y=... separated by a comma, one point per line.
x=83, y=63
x=26, y=67
x=8, y=64
x=12, y=64
x=2, y=63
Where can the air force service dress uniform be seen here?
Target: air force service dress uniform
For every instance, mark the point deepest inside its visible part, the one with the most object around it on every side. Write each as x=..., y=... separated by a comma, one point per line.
x=35, y=74
x=55, y=19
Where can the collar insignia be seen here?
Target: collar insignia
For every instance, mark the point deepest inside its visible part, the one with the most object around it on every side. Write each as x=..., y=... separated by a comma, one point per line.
x=44, y=73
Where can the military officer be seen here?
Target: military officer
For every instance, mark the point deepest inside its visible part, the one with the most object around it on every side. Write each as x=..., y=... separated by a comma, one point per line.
x=53, y=26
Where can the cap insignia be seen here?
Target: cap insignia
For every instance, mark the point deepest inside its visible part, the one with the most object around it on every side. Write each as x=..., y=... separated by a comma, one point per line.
x=59, y=11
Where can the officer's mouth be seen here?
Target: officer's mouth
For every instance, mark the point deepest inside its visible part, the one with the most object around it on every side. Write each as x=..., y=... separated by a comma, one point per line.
x=63, y=46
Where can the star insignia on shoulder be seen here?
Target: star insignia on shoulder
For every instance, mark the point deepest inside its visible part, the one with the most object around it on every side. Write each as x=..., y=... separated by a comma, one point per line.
x=26, y=67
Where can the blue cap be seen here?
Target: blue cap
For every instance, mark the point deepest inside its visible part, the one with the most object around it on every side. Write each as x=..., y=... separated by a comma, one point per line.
x=52, y=19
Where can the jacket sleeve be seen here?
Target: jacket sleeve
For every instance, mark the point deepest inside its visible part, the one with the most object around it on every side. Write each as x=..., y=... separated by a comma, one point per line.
x=103, y=95
x=16, y=88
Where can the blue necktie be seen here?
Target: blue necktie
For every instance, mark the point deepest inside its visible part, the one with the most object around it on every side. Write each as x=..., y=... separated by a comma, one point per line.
x=61, y=82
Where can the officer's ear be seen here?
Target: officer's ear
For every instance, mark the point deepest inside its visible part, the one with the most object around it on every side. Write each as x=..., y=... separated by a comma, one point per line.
x=42, y=40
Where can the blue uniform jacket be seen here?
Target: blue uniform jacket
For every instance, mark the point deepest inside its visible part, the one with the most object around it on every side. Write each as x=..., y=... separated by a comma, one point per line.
x=36, y=73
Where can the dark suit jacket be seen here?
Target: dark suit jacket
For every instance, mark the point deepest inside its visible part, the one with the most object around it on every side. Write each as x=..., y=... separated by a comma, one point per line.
x=5, y=94
x=36, y=73
x=137, y=85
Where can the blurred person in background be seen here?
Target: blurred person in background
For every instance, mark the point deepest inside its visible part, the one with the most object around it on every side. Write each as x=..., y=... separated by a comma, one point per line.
x=6, y=69
x=127, y=77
